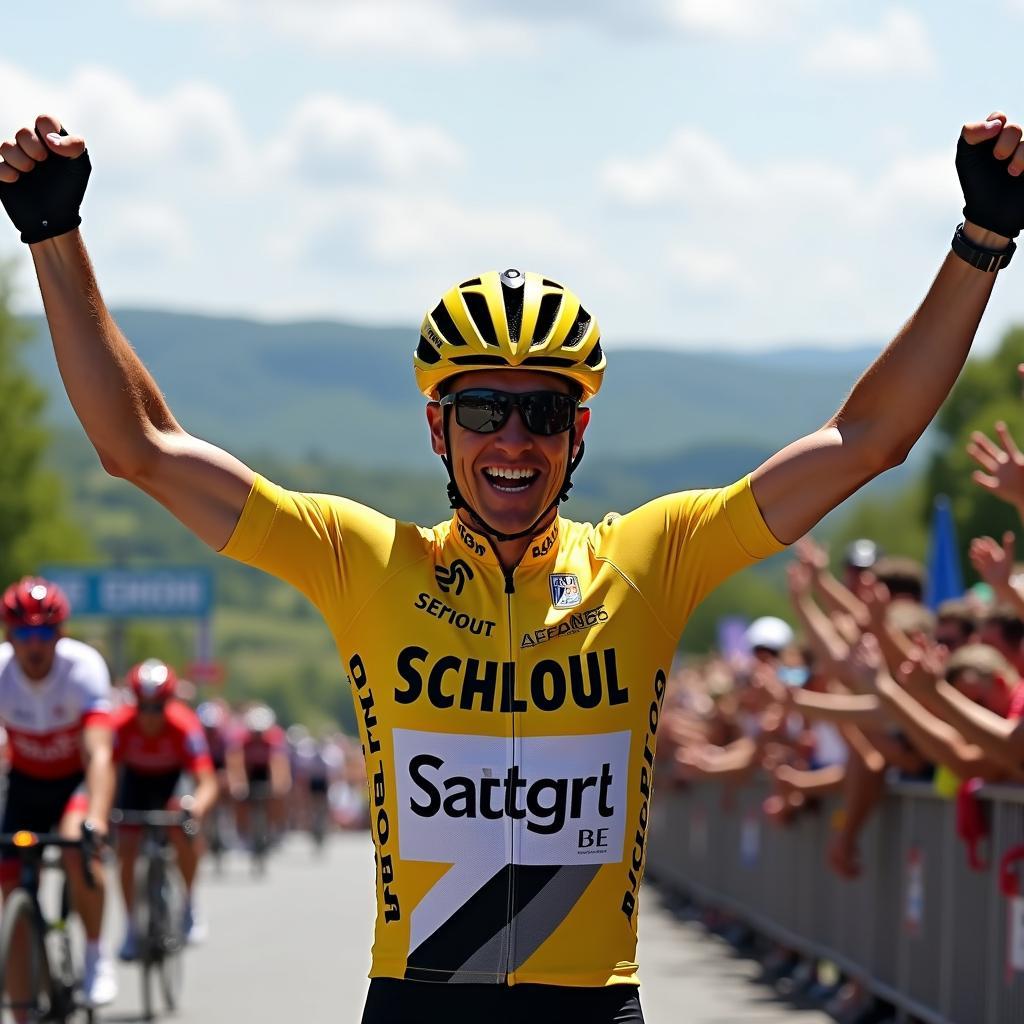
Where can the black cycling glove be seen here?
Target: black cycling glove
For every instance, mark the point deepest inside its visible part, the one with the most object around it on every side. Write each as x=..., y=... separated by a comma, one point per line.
x=994, y=198
x=45, y=201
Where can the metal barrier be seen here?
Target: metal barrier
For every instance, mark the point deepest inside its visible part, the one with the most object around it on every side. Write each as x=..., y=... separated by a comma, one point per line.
x=919, y=927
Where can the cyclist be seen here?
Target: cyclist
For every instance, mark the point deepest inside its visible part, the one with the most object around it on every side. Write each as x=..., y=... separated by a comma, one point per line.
x=507, y=666
x=156, y=739
x=216, y=721
x=258, y=768
x=55, y=707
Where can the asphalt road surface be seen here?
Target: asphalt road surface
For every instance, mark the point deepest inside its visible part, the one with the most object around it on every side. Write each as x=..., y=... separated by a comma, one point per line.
x=294, y=947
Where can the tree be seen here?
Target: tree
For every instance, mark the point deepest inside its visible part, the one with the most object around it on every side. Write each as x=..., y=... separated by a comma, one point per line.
x=34, y=526
x=988, y=390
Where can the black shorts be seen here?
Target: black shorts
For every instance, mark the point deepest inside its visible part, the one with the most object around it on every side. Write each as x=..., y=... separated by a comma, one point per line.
x=396, y=1001
x=139, y=791
x=37, y=804
x=318, y=785
x=258, y=773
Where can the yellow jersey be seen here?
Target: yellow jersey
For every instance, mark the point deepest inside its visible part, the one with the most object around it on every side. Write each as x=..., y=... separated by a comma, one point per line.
x=508, y=719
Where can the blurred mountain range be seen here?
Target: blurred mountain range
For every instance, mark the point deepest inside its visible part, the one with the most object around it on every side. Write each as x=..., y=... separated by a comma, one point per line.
x=345, y=393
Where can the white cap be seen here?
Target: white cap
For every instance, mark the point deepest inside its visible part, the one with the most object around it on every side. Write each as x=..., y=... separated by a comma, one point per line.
x=769, y=632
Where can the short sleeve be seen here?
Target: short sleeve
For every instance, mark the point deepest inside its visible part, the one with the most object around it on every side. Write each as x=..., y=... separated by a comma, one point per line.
x=91, y=678
x=678, y=548
x=328, y=547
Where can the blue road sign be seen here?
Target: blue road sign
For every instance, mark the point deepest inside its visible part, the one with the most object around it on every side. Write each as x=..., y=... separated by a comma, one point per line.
x=136, y=593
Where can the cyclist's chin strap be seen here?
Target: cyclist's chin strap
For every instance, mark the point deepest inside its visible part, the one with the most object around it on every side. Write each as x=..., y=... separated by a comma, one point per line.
x=457, y=501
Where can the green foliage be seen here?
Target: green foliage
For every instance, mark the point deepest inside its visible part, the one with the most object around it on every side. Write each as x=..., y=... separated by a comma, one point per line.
x=988, y=390
x=890, y=518
x=751, y=593
x=33, y=526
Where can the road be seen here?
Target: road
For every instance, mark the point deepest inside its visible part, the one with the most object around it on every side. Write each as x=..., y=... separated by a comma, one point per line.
x=295, y=947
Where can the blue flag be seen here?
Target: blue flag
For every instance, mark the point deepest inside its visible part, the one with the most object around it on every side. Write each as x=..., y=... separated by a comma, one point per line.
x=945, y=580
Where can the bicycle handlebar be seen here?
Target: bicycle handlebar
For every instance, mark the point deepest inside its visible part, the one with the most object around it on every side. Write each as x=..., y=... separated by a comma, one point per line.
x=156, y=819
x=25, y=843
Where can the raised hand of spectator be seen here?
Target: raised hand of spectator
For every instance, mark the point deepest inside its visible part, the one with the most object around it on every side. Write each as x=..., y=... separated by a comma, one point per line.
x=865, y=663
x=922, y=670
x=798, y=577
x=765, y=678
x=876, y=599
x=992, y=561
x=1002, y=465
x=811, y=554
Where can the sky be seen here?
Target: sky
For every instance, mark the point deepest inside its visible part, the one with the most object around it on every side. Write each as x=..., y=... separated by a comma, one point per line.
x=729, y=173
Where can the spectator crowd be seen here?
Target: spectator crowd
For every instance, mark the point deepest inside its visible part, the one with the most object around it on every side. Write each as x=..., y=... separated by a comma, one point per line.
x=866, y=685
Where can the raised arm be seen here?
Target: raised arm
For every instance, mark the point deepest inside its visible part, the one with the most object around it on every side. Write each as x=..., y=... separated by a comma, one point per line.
x=900, y=393
x=117, y=401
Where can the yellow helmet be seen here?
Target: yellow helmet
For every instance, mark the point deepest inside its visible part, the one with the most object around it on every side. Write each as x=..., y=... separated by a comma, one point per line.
x=515, y=319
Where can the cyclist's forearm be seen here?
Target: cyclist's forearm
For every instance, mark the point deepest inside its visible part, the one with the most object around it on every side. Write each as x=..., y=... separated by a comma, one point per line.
x=114, y=396
x=100, y=782
x=205, y=795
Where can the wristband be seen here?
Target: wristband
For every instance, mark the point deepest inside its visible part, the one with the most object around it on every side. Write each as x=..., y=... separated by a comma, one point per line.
x=989, y=260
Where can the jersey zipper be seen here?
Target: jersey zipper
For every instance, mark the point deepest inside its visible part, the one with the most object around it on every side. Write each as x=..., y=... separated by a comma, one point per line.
x=510, y=590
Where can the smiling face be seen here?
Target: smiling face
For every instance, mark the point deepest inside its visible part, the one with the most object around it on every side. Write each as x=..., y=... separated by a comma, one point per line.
x=511, y=476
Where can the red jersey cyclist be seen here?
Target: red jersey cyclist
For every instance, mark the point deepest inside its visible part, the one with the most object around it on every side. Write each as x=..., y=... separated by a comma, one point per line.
x=155, y=740
x=55, y=707
x=257, y=759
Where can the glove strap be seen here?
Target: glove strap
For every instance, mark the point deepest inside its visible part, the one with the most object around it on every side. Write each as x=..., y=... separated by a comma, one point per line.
x=989, y=260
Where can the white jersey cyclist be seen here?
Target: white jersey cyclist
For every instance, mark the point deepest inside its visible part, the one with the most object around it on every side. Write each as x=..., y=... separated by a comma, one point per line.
x=45, y=718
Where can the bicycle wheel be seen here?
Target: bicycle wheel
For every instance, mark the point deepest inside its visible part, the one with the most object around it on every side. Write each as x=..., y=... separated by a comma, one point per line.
x=168, y=896
x=21, y=922
x=260, y=825
x=143, y=917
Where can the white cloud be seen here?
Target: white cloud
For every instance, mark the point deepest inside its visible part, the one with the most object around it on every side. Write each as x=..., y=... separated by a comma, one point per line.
x=743, y=18
x=150, y=234
x=193, y=128
x=900, y=45
x=428, y=28
x=697, y=176
x=330, y=140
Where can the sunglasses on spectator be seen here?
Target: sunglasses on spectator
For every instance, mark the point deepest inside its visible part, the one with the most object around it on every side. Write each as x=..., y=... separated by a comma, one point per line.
x=43, y=634
x=485, y=410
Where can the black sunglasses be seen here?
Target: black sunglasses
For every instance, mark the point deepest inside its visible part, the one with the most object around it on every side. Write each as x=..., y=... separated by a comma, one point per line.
x=485, y=410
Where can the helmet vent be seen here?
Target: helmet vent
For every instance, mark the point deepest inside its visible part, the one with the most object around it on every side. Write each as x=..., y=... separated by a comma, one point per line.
x=596, y=355
x=478, y=360
x=477, y=306
x=546, y=316
x=556, y=361
x=446, y=325
x=548, y=283
x=578, y=331
x=426, y=353
x=473, y=282
x=513, y=298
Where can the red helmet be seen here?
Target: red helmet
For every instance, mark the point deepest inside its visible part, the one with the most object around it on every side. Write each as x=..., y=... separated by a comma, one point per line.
x=34, y=601
x=152, y=680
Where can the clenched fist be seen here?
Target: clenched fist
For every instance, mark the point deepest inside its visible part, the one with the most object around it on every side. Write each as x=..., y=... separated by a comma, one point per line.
x=42, y=180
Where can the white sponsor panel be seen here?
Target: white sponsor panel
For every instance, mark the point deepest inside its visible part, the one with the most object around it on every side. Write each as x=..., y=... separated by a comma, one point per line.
x=536, y=800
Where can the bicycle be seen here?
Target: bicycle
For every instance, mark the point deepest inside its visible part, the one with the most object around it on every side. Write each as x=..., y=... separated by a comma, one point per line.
x=54, y=984
x=259, y=826
x=159, y=906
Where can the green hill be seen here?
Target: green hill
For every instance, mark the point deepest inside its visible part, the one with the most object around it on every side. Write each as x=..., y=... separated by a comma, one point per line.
x=329, y=388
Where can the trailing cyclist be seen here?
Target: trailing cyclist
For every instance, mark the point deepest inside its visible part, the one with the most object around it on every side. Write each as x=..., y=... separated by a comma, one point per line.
x=55, y=707
x=156, y=739
x=259, y=770
x=507, y=666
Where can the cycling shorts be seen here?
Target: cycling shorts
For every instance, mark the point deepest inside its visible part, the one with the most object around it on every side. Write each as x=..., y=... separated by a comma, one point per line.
x=39, y=804
x=397, y=1001
x=141, y=791
x=259, y=773
x=318, y=785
